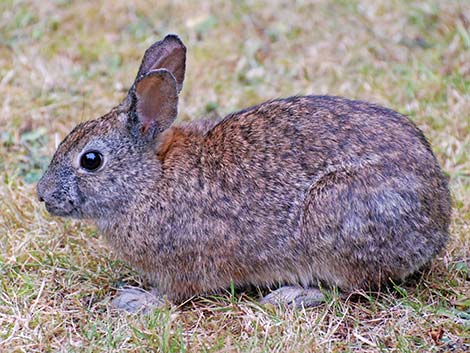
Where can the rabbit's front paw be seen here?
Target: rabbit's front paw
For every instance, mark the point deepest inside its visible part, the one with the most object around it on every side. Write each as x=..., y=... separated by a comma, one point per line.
x=134, y=299
x=294, y=296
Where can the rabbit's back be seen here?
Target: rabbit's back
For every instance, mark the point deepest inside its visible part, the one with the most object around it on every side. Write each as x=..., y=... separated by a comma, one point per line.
x=314, y=133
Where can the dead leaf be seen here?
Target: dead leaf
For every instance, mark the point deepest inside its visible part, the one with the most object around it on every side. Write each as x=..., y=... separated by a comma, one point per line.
x=436, y=335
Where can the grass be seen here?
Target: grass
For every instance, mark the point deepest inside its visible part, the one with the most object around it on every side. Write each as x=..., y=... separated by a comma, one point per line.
x=63, y=61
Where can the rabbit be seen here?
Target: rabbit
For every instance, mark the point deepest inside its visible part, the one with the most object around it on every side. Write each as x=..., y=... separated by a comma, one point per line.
x=293, y=195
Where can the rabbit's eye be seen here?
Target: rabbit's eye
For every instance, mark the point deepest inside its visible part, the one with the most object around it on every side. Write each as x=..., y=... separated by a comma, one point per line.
x=91, y=161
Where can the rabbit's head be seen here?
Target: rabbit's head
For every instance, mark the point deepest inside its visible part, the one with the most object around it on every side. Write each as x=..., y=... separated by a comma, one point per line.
x=102, y=164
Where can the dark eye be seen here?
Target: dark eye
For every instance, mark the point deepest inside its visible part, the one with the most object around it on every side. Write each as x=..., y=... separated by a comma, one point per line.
x=91, y=160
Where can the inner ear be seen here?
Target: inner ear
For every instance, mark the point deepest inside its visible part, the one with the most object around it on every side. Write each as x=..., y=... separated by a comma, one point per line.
x=156, y=102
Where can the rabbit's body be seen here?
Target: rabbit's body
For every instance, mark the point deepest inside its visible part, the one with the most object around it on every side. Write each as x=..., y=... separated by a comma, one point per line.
x=295, y=191
x=287, y=192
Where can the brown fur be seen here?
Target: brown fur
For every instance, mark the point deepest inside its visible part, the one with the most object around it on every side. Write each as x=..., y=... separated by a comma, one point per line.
x=294, y=191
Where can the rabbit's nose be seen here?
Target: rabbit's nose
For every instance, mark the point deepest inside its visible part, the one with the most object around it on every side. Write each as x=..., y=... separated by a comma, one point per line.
x=40, y=192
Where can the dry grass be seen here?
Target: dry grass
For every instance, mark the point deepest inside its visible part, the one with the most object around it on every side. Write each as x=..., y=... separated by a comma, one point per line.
x=62, y=62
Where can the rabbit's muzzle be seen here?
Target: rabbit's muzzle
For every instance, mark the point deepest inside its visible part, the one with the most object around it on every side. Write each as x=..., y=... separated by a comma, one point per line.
x=57, y=204
x=57, y=201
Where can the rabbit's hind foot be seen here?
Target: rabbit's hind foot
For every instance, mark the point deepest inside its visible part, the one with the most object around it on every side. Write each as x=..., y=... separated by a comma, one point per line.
x=137, y=300
x=295, y=296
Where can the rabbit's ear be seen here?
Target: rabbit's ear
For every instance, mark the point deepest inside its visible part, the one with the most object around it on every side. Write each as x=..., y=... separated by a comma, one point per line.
x=169, y=54
x=154, y=103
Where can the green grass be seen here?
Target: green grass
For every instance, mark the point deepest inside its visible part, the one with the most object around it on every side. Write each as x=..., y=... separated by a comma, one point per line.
x=62, y=62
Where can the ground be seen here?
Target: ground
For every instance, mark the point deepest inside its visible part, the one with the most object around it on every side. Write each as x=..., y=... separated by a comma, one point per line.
x=63, y=61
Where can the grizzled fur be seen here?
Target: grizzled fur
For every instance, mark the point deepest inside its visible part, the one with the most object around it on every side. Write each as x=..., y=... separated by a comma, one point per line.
x=295, y=191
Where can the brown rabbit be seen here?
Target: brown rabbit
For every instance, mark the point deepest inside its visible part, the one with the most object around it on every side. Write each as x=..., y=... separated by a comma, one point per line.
x=295, y=192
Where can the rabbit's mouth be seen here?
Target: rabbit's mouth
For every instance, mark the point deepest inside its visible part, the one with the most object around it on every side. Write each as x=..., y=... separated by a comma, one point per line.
x=64, y=209
x=57, y=202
